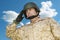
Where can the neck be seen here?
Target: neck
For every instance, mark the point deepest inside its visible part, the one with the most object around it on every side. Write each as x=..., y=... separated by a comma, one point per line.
x=35, y=19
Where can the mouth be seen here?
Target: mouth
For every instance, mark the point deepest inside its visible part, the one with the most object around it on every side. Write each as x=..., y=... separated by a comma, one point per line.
x=29, y=16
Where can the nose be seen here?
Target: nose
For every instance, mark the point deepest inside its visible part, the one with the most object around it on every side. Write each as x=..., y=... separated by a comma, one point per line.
x=28, y=13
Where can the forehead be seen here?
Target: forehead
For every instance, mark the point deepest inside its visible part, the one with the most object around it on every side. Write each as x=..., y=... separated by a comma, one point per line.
x=30, y=9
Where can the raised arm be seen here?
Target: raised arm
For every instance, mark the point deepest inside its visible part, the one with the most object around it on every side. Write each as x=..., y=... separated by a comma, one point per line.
x=11, y=28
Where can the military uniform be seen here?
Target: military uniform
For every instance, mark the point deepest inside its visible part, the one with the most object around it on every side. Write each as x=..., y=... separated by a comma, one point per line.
x=46, y=29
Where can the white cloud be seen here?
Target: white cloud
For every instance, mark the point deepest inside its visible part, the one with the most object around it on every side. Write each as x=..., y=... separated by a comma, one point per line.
x=46, y=10
x=20, y=24
x=28, y=23
x=10, y=16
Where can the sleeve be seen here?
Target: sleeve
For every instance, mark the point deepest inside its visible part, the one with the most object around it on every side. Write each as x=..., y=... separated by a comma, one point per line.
x=13, y=33
x=55, y=28
x=11, y=30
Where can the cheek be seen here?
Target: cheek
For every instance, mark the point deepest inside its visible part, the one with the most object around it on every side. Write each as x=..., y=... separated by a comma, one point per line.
x=27, y=13
x=33, y=12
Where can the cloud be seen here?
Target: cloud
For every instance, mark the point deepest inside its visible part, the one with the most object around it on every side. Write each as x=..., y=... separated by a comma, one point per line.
x=28, y=23
x=20, y=24
x=9, y=16
x=47, y=10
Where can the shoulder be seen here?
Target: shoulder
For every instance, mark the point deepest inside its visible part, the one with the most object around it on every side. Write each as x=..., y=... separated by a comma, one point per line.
x=51, y=20
x=25, y=26
x=47, y=20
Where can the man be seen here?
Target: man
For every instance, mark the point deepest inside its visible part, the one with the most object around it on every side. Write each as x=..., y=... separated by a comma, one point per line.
x=38, y=29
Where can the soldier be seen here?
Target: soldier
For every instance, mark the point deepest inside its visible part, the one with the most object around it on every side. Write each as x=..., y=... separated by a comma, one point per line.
x=38, y=29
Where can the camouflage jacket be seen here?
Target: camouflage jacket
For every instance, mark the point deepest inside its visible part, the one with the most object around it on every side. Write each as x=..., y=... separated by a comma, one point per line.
x=47, y=29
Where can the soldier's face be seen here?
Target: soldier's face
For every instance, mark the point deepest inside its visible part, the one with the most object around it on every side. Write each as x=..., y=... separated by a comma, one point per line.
x=31, y=12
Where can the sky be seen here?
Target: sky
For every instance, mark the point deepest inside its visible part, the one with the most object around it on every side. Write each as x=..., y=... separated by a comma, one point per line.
x=9, y=10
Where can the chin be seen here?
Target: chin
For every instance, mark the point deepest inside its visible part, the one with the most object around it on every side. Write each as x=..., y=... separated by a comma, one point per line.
x=31, y=15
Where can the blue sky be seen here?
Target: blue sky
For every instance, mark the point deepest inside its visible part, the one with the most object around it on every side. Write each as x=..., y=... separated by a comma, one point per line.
x=17, y=6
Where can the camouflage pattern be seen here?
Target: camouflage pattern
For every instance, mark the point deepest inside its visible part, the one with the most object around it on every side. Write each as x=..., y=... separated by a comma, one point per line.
x=46, y=29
